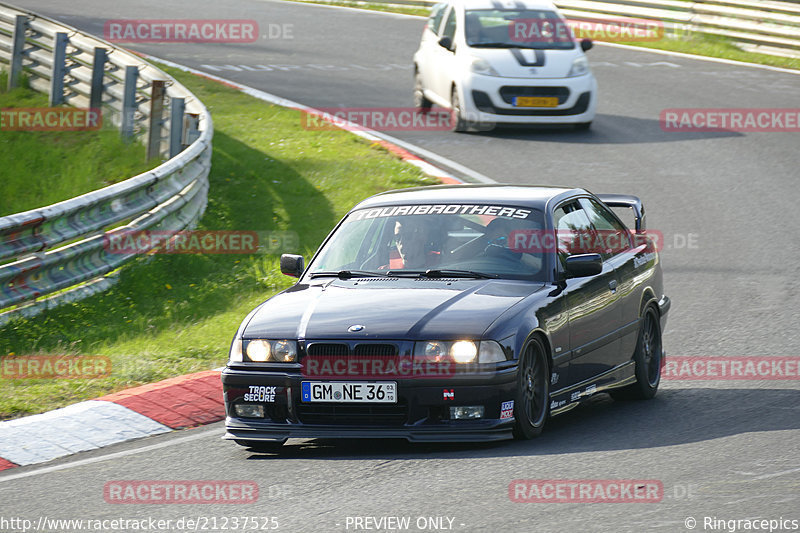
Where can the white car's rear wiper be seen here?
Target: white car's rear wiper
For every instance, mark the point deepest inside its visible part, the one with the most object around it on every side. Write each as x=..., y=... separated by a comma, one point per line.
x=347, y=274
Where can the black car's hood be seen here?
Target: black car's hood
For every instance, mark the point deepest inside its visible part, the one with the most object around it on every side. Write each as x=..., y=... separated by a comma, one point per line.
x=388, y=309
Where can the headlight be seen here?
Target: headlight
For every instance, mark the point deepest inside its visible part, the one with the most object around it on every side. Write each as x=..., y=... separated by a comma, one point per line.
x=435, y=351
x=258, y=350
x=579, y=67
x=268, y=351
x=463, y=351
x=481, y=66
x=284, y=351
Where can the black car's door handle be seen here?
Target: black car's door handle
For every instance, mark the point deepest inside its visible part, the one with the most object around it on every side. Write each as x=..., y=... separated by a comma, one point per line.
x=612, y=285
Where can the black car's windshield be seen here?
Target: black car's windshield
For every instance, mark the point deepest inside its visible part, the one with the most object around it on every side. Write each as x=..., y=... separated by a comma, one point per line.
x=517, y=28
x=441, y=240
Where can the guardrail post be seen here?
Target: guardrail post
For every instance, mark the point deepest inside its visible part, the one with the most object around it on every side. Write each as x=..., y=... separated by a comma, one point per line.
x=192, y=132
x=98, y=73
x=157, y=92
x=17, y=48
x=129, y=102
x=176, y=110
x=59, y=69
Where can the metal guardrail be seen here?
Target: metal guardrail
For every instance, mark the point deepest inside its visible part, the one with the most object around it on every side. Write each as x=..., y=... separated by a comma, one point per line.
x=58, y=253
x=764, y=26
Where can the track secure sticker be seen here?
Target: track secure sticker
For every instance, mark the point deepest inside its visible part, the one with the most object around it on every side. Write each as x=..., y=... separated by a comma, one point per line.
x=507, y=410
x=260, y=394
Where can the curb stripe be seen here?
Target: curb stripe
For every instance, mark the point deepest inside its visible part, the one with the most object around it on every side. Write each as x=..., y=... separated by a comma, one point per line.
x=4, y=465
x=78, y=427
x=180, y=402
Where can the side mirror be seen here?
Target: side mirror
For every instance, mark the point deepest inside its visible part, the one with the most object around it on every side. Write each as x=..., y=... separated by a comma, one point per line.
x=446, y=42
x=586, y=44
x=583, y=265
x=292, y=265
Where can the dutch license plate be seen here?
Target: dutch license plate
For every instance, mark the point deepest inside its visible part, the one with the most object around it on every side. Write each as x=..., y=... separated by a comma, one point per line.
x=349, y=391
x=535, y=101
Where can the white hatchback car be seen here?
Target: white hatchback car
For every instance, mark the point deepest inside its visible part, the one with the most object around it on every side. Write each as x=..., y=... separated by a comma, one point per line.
x=504, y=61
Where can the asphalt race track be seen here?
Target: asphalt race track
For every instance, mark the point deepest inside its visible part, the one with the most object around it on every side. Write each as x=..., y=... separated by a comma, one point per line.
x=725, y=202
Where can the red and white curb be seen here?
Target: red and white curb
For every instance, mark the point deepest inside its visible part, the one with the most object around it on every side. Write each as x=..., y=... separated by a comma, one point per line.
x=175, y=403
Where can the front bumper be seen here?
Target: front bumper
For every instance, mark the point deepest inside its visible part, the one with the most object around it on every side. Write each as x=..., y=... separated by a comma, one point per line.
x=488, y=99
x=421, y=414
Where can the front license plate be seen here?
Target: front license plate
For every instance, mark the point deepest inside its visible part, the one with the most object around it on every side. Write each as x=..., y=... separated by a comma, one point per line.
x=349, y=391
x=536, y=101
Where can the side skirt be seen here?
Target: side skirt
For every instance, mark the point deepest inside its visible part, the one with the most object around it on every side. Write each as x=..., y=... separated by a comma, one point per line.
x=568, y=398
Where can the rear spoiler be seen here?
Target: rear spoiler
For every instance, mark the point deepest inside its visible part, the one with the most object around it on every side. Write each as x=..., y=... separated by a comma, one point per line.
x=626, y=200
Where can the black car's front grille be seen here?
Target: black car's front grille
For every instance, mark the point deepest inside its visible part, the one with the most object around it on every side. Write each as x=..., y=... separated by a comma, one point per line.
x=328, y=349
x=353, y=414
x=386, y=350
x=335, y=349
x=509, y=92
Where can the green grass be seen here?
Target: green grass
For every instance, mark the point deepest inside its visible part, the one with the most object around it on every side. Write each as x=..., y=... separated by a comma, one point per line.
x=693, y=43
x=717, y=46
x=173, y=314
x=42, y=168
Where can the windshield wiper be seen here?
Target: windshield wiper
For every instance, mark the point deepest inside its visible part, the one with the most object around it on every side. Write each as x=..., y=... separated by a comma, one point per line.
x=347, y=274
x=444, y=273
x=455, y=273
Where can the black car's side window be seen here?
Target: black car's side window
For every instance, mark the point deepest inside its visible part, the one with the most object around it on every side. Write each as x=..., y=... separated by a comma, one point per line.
x=435, y=19
x=573, y=230
x=613, y=238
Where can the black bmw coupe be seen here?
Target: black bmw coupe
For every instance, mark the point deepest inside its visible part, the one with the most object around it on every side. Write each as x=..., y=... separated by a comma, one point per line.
x=453, y=313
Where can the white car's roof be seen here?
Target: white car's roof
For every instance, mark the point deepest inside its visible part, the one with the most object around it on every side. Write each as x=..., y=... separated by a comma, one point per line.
x=503, y=4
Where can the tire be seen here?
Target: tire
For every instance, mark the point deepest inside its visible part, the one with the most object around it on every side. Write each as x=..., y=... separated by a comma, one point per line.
x=458, y=122
x=532, y=401
x=261, y=446
x=421, y=104
x=647, y=358
x=583, y=126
